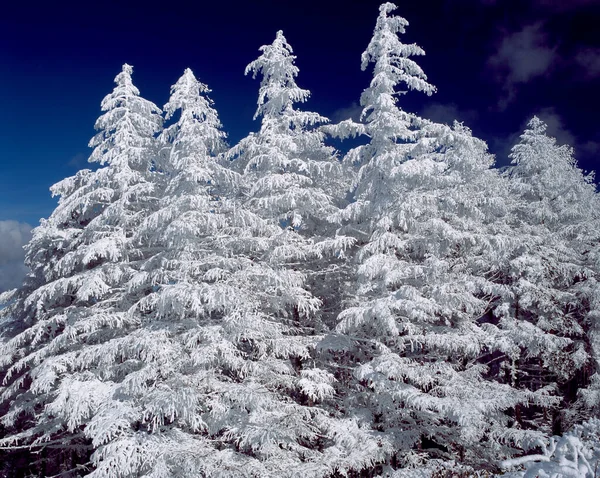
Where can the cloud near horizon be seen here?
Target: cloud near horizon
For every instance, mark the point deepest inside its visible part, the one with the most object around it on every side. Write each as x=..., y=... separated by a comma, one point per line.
x=448, y=112
x=13, y=236
x=349, y=112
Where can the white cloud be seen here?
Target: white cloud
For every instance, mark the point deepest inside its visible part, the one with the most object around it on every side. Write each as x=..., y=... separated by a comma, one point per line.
x=349, y=112
x=521, y=57
x=563, y=5
x=588, y=59
x=13, y=236
x=448, y=112
x=556, y=126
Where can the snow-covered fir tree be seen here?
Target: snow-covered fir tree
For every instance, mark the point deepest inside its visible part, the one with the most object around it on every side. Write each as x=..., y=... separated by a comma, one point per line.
x=239, y=405
x=386, y=124
x=553, y=310
x=195, y=359
x=294, y=185
x=431, y=215
x=75, y=302
x=293, y=179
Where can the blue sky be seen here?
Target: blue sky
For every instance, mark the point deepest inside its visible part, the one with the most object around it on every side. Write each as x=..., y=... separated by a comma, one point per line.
x=495, y=64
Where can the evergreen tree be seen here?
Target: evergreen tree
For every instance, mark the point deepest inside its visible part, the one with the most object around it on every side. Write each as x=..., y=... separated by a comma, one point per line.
x=552, y=275
x=265, y=312
x=294, y=184
x=185, y=363
x=293, y=179
x=385, y=123
x=432, y=220
x=62, y=326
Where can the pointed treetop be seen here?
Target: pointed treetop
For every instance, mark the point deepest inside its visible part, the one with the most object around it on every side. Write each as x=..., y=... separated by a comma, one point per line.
x=186, y=94
x=536, y=126
x=279, y=50
x=189, y=82
x=391, y=24
x=198, y=130
x=278, y=89
x=388, y=7
x=547, y=170
x=124, y=86
x=535, y=138
x=390, y=55
x=124, y=78
x=281, y=42
x=386, y=121
x=126, y=130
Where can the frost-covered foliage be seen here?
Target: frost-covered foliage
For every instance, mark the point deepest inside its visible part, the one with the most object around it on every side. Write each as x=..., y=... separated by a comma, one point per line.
x=575, y=454
x=417, y=334
x=386, y=124
x=64, y=325
x=277, y=310
x=553, y=310
x=237, y=322
x=293, y=181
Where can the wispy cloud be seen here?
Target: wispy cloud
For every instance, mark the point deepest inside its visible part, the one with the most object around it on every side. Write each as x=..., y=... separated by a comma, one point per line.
x=352, y=111
x=448, y=112
x=77, y=161
x=521, y=56
x=13, y=236
x=588, y=60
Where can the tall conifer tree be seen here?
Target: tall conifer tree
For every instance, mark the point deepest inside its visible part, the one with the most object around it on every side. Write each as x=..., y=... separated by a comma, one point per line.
x=552, y=273
x=431, y=215
x=73, y=307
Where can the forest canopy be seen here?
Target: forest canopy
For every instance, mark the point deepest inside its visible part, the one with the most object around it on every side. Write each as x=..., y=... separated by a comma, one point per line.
x=280, y=308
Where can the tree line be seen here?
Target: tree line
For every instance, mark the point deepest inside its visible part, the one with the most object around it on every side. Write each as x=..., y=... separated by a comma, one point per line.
x=277, y=308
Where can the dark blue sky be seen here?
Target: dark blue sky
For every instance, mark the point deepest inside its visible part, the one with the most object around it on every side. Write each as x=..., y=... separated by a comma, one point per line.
x=495, y=63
